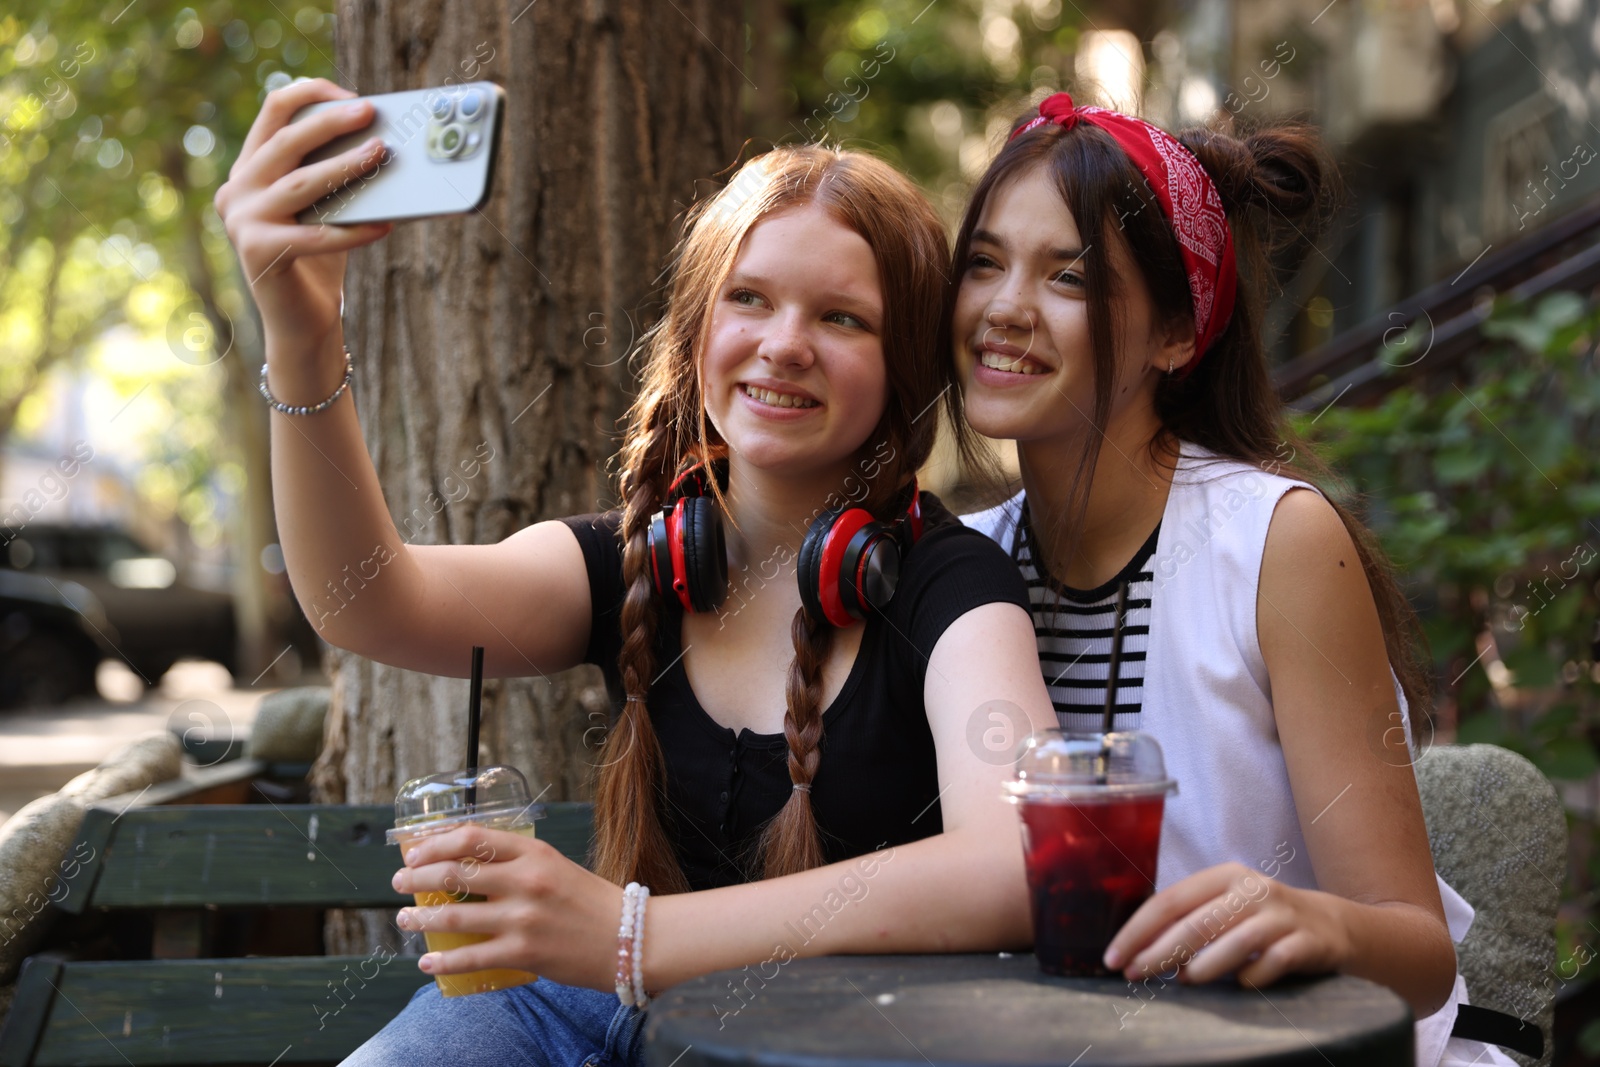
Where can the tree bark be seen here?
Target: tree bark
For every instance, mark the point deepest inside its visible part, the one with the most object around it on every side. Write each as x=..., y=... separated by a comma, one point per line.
x=488, y=347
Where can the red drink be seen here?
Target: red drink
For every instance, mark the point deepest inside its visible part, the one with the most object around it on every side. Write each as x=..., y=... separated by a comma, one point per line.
x=1091, y=807
x=1091, y=863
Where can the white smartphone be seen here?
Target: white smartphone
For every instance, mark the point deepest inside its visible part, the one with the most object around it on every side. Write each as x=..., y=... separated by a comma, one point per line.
x=439, y=151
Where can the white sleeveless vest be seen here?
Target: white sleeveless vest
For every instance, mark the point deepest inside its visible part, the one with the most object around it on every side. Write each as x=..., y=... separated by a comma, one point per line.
x=1208, y=700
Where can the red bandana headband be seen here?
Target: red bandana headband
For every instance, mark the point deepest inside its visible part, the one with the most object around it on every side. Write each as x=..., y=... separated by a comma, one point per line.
x=1188, y=198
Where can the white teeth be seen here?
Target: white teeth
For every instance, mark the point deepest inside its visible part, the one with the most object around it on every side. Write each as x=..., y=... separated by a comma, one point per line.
x=776, y=399
x=1016, y=365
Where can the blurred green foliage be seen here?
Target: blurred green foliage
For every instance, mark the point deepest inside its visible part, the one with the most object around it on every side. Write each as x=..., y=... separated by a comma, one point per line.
x=1483, y=483
x=929, y=86
x=116, y=121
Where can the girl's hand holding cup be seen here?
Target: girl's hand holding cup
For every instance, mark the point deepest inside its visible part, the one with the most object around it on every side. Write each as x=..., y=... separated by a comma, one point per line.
x=1229, y=919
x=533, y=909
x=296, y=271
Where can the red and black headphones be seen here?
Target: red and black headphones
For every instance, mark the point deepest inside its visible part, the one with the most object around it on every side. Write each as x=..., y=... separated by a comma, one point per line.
x=849, y=561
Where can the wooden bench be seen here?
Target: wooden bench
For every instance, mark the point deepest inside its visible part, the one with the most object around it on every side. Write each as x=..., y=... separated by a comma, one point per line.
x=188, y=886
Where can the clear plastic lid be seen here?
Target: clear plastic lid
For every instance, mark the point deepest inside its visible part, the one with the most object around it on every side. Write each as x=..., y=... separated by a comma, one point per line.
x=440, y=802
x=1062, y=765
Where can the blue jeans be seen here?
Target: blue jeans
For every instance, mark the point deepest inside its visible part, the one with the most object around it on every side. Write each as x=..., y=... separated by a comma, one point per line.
x=543, y=1024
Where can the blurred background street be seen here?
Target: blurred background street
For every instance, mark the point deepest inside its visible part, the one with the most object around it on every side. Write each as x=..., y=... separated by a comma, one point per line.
x=42, y=748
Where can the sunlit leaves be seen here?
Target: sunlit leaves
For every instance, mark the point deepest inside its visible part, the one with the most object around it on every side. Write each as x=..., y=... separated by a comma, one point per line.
x=189, y=31
x=160, y=199
x=955, y=69
x=115, y=130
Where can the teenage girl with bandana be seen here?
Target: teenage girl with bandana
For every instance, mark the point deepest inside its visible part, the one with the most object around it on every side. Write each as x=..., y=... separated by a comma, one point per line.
x=1107, y=317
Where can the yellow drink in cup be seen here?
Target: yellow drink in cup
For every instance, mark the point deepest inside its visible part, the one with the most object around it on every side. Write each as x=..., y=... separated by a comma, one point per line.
x=496, y=797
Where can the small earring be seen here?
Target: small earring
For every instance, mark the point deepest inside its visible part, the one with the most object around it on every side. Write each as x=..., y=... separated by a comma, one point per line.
x=1169, y=366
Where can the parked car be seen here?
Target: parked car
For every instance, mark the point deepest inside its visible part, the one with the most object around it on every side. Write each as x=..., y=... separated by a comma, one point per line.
x=53, y=633
x=157, y=616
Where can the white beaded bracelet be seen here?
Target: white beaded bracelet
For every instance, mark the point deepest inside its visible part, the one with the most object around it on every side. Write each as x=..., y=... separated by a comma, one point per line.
x=624, y=984
x=640, y=997
x=310, y=409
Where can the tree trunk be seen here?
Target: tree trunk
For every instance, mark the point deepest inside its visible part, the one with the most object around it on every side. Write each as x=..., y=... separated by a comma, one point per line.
x=489, y=376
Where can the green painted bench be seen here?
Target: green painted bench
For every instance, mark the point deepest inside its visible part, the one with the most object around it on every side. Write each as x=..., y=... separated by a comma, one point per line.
x=173, y=883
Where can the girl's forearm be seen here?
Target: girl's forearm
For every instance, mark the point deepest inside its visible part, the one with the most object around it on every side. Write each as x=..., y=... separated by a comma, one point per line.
x=953, y=892
x=1401, y=946
x=335, y=529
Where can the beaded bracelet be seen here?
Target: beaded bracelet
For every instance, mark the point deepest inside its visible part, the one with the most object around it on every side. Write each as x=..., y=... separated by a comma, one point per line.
x=630, y=896
x=310, y=409
x=640, y=997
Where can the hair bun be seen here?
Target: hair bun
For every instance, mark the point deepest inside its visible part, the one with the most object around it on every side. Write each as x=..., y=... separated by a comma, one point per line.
x=1280, y=174
x=1229, y=162
x=1293, y=174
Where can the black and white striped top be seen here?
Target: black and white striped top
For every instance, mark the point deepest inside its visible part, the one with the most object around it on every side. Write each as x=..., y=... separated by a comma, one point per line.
x=1074, y=630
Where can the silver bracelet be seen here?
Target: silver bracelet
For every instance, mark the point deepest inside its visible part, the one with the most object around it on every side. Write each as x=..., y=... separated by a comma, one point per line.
x=310, y=409
x=641, y=999
x=625, y=935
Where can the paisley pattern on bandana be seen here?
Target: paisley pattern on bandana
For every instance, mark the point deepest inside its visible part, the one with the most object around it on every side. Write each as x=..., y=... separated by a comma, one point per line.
x=1188, y=198
x=1197, y=215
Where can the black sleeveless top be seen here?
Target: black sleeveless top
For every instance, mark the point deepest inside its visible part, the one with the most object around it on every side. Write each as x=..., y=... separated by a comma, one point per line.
x=876, y=784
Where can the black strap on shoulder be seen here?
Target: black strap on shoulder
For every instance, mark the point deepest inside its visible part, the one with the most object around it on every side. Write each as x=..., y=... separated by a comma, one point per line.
x=1498, y=1028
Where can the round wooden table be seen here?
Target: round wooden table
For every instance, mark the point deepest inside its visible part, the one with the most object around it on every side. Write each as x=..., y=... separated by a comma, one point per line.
x=1000, y=1011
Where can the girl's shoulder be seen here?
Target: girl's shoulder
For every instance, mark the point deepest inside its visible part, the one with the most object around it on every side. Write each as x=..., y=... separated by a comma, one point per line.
x=1201, y=479
x=953, y=564
x=946, y=534
x=941, y=526
x=1201, y=469
x=1209, y=487
x=599, y=535
x=950, y=571
x=998, y=523
x=1215, y=524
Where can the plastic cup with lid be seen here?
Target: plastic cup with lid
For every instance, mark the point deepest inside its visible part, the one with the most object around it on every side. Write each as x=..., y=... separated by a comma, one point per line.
x=1091, y=806
x=493, y=797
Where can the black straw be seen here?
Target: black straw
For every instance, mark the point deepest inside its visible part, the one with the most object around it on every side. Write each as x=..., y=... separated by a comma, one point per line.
x=1107, y=720
x=474, y=713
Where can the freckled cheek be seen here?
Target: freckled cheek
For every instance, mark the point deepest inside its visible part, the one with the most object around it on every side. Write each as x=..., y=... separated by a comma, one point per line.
x=723, y=355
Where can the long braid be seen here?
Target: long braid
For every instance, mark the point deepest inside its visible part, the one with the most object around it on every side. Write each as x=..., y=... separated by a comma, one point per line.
x=631, y=843
x=792, y=841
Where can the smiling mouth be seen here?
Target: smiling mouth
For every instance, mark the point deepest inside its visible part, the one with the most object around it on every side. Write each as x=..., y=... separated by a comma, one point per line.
x=1010, y=364
x=776, y=399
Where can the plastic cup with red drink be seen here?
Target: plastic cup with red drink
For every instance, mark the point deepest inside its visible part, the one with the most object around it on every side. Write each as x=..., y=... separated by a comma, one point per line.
x=1090, y=807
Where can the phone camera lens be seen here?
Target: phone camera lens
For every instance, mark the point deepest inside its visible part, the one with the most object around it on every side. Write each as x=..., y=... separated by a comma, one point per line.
x=451, y=139
x=441, y=106
x=471, y=103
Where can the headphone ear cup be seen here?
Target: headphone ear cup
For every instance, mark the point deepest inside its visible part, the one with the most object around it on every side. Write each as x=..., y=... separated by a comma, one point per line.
x=872, y=565
x=661, y=573
x=705, y=554
x=808, y=569
x=827, y=584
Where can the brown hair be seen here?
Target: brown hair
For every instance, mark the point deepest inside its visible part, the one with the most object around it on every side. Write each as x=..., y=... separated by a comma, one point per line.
x=1279, y=189
x=667, y=426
